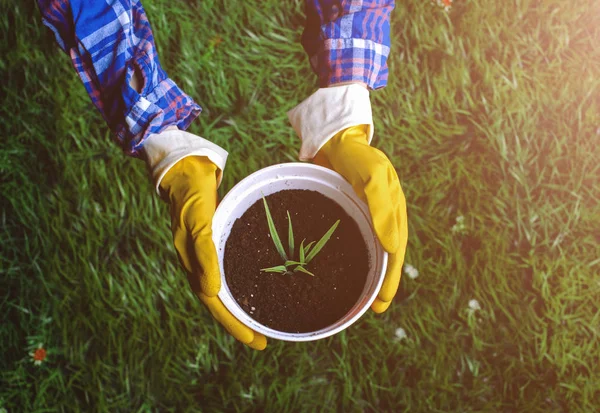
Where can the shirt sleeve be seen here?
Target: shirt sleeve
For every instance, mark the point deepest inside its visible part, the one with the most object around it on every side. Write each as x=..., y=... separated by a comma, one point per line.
x=348, y=40
x=110, y=41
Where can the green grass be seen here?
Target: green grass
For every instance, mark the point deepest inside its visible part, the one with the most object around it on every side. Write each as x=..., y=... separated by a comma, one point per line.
x=492, y=113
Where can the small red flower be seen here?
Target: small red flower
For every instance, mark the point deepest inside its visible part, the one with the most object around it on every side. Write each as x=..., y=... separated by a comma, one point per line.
x=446, y=4
x=39, y=355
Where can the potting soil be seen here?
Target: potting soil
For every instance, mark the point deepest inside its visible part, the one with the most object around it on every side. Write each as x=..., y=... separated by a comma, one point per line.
x=296, y=302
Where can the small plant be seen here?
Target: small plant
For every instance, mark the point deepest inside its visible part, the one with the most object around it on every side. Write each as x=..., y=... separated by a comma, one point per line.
x=305, y=253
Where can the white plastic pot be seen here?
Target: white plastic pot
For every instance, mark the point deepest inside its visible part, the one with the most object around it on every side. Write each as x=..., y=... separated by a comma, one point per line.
x=299, y=176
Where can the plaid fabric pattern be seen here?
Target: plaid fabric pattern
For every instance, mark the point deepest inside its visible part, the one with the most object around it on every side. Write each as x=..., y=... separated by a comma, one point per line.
x=108, y=41
x=348, y=40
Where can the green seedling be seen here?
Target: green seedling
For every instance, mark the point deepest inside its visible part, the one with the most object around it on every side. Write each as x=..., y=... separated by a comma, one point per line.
x=305, y=253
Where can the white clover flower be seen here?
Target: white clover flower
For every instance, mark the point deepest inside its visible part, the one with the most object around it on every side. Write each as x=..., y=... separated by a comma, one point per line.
x=474, y=305
x=411, y=271
x=460, y=226
x=400, y=334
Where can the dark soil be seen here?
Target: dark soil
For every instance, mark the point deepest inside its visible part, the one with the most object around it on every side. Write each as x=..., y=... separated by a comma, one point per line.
x=297, y=302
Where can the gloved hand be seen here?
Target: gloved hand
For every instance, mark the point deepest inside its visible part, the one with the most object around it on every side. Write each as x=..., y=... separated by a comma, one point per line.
x=375, y=181
x=191, y=188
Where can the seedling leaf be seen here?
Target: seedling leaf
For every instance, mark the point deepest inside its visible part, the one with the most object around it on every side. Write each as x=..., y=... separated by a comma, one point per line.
x=302, y=251
x=273, y=231
x=307, y=248
x=278, y=268
x=290, y=235
x=319, y=245
x=304, y=270
x=289, y=263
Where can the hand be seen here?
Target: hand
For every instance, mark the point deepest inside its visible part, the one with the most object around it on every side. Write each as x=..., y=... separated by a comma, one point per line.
x=191, y=187
x=375, y=181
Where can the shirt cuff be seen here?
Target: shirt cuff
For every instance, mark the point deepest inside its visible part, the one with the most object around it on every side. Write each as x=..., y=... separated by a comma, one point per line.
x=328, y=111
x=165, y=149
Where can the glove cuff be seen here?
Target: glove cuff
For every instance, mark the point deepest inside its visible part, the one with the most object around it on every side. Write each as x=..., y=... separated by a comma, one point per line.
x=165, y=149
x=328, y=111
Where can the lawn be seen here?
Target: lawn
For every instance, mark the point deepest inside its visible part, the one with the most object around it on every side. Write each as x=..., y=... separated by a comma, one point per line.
x=492, y=119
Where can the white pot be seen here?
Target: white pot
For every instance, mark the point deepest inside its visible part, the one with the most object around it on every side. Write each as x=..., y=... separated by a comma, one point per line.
x=299, y=176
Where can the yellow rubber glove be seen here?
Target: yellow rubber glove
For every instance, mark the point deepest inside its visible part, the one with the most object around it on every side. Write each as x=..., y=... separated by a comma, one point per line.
x=191, y=188
x=375, y=181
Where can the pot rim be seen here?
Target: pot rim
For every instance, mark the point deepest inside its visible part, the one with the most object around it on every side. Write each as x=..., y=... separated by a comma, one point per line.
x=224, y=219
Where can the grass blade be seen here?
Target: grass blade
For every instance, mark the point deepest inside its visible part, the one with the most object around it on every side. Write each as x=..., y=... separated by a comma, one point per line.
x=273, y=231
x=278, y=268
x=290, y=235
x=290, y=262
x=319, y=245
x=304, y=270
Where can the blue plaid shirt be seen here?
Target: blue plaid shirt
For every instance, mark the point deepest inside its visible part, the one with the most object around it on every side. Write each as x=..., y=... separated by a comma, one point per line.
x=110, y=40
x=348, y=40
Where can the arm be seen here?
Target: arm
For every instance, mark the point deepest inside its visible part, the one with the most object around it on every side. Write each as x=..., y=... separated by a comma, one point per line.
x=112, y=47
x=348, y=43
